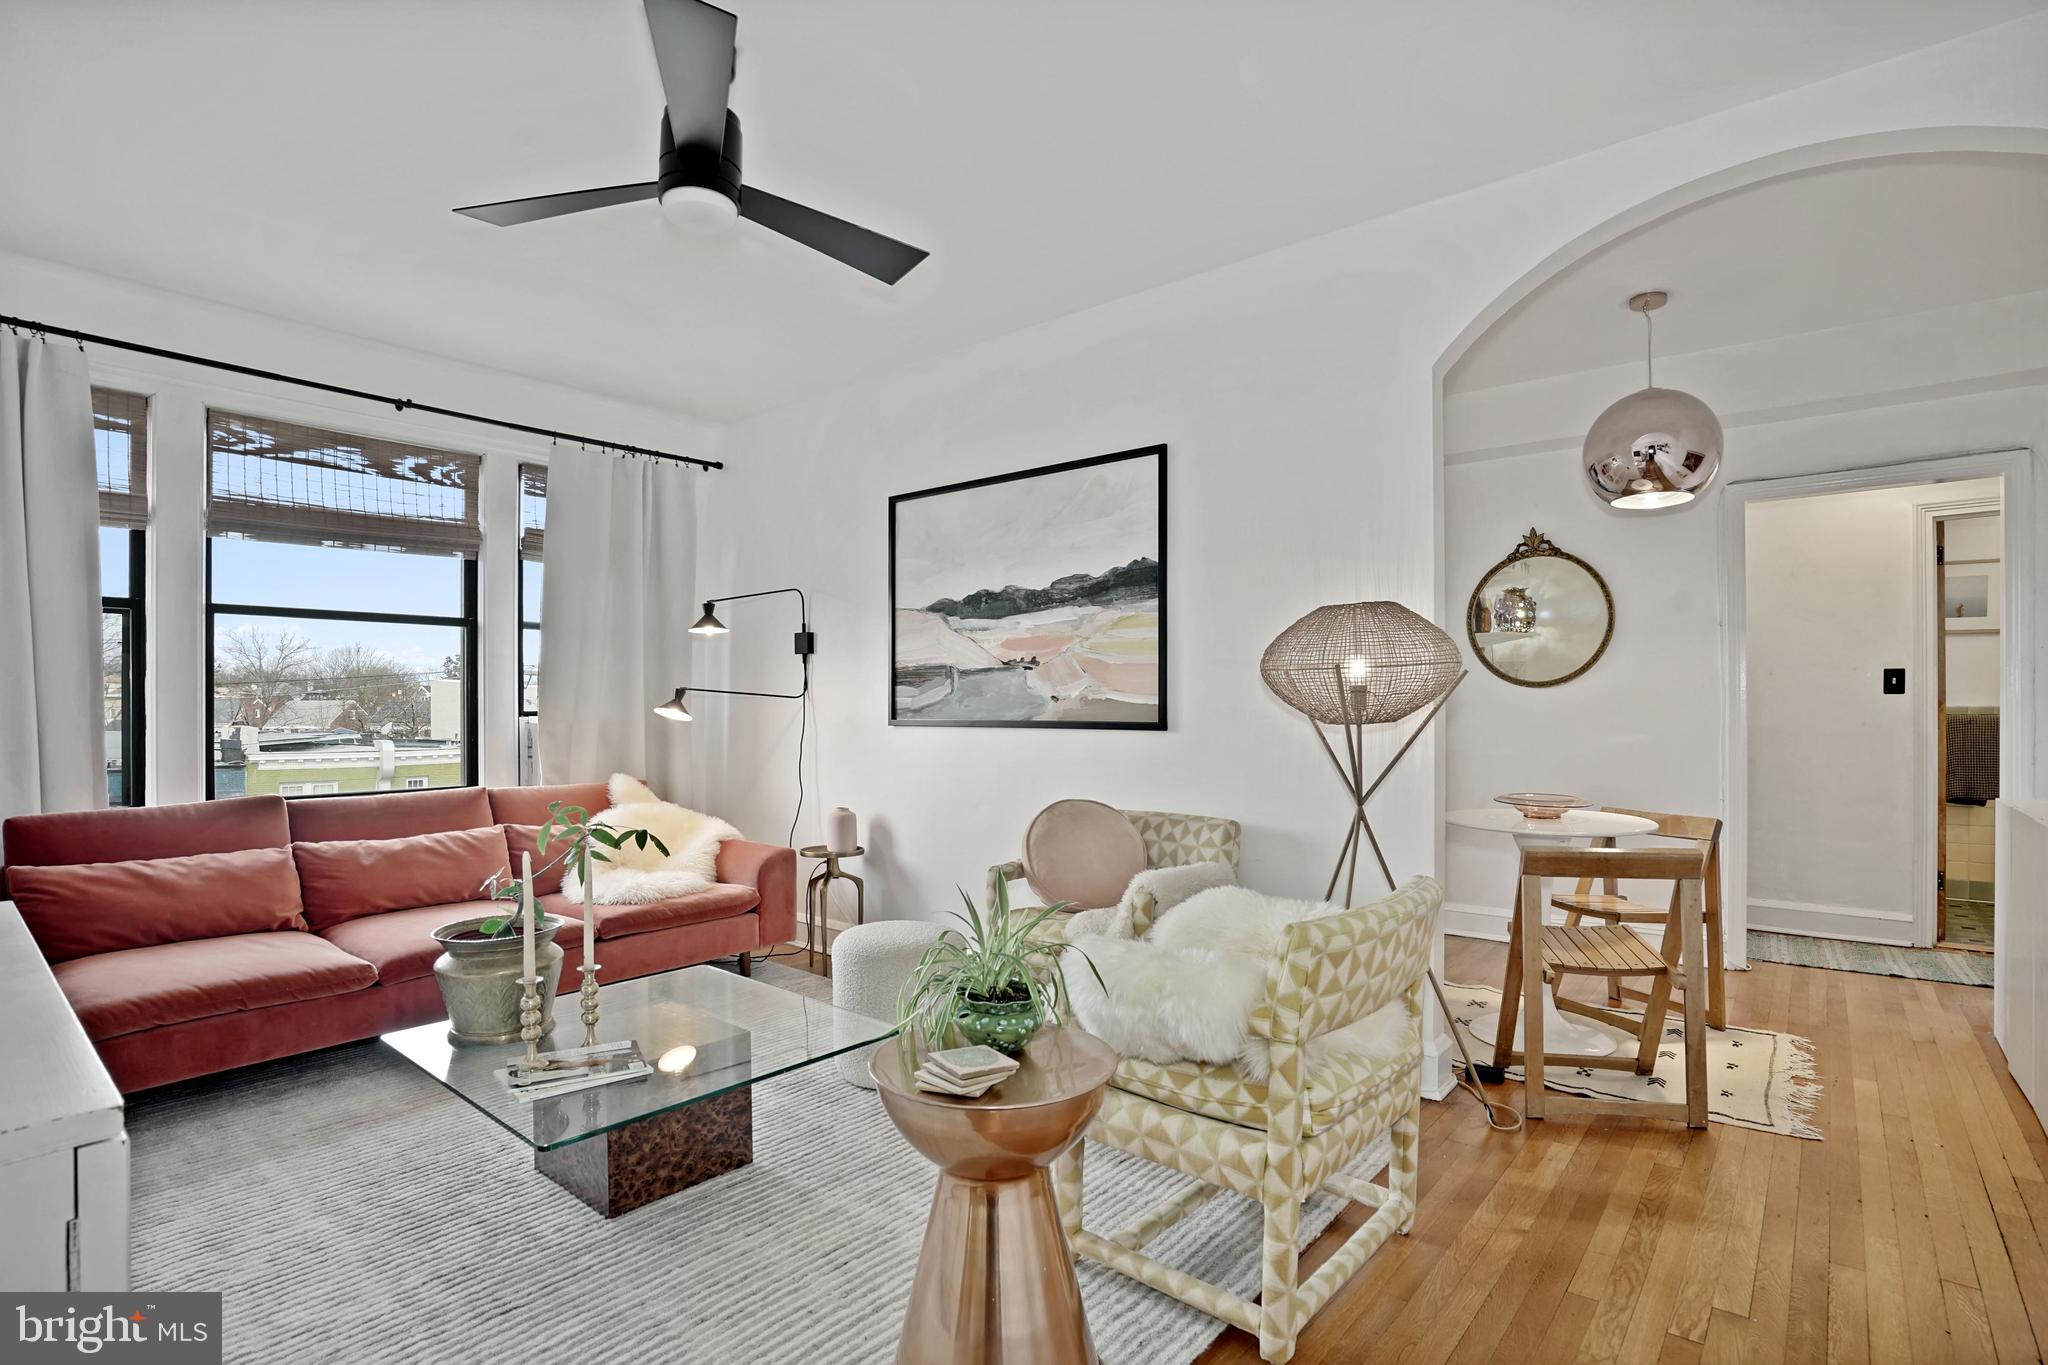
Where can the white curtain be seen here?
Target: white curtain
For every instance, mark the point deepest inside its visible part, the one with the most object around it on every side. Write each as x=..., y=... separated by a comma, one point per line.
x=616, y=605
x=53, y=744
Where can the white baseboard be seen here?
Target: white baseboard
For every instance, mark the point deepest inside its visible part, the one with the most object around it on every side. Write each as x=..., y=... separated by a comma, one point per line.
x=1855, y=923
x=1474, y=921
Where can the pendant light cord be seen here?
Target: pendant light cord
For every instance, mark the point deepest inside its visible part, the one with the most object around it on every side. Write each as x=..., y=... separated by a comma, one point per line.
x=1649, y=351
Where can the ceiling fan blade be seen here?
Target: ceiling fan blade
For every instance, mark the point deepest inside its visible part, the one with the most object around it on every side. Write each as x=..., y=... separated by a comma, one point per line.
x=885, y=258
x=513, y=212
x=693, y=45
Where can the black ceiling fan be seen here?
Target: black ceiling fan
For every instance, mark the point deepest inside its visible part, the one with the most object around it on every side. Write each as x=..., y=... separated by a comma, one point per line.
x=698, y=174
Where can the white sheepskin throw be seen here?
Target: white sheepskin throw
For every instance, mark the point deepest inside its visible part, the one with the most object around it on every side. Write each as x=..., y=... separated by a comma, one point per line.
x=637, y=876
x=1187, y=991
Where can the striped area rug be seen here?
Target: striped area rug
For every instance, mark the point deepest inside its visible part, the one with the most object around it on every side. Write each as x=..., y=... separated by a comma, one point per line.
x=351, y=1210
x=1874, y=959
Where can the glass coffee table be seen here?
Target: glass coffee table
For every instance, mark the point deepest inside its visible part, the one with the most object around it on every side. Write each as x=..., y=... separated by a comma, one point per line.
x=709, y=1035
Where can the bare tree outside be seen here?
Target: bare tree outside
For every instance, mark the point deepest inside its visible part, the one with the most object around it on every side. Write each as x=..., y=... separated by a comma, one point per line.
x=268, y=670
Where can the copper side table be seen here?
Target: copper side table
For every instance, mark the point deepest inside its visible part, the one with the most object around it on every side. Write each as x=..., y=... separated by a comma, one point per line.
x=995, y=1282
x=818, y=895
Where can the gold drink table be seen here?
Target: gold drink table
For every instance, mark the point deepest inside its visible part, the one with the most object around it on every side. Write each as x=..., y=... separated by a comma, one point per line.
x=818, y=891
x=995, y=1282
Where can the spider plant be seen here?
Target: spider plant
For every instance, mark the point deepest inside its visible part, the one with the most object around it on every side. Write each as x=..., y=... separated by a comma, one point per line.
x=581, y=843
x=995, y=965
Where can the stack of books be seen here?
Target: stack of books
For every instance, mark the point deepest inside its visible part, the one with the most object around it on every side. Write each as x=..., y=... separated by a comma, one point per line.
x=576, y=1068
x=965, y=1072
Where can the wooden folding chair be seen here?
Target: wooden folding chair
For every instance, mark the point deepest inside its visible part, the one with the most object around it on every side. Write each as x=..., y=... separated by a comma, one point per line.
x=1611, y=951
x=1610, y=907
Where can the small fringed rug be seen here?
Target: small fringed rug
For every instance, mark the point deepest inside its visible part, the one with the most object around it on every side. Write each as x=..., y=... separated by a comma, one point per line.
x=1874, y=959
x=1757, y=1079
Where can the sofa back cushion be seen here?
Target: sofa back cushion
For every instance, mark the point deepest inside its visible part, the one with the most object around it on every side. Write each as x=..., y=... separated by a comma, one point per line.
x=548, y=868
x=81, y=909
x=128, y=834
x=529, y=805
x=341, y=880
x=389, y=815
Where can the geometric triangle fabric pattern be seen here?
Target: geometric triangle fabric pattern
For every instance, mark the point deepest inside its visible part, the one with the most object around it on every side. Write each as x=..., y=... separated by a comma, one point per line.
x=1174, y=840
x=1336, y=970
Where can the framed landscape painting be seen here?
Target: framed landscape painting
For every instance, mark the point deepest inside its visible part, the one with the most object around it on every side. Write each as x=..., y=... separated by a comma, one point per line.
x=1033, y=599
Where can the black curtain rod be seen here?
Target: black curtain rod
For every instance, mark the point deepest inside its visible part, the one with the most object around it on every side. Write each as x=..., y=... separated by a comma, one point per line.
x=402, y=404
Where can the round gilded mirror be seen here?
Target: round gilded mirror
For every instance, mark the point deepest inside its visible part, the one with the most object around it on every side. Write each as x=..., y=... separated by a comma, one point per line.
x=1540, y=617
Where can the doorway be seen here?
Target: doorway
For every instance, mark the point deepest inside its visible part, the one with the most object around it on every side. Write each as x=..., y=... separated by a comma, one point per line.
x=1968, y=557
x=1844, y=692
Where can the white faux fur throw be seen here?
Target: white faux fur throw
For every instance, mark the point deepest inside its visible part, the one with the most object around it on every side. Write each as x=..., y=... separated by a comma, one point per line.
x=1186, y=992
x=637, y=876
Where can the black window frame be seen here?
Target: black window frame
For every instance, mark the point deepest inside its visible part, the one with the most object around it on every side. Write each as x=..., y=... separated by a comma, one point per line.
x=524, y=624
x=130, y=606
x=467, y=622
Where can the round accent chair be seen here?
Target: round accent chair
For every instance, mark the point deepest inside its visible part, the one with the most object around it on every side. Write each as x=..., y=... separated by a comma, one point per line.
x=870, y=963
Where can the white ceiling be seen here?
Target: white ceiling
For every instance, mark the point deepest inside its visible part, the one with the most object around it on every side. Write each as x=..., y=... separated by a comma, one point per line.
x=301, y=158
x=1827, y=249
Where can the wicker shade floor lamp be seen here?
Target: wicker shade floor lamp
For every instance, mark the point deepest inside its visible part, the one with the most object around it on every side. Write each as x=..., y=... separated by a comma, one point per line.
x=1356, y=664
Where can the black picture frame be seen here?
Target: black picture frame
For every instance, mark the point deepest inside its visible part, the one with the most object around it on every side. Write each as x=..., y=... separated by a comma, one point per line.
x=1152, y=452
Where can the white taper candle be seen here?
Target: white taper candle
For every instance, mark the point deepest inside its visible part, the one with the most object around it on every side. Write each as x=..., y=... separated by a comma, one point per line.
x=526, y=912
x=589, y=920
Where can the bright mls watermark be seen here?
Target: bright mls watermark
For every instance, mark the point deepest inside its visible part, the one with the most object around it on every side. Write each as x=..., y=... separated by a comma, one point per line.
x=174, y=1329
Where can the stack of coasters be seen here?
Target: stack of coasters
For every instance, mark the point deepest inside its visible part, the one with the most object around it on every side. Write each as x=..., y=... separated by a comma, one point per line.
x=966, y=1072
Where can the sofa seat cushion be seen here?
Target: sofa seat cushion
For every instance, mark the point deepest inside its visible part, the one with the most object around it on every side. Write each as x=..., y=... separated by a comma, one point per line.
x=718, y=901
x=345, y=879
x=400, y=943
x=87, y=908
x=171, y=983
x=1345, y=1069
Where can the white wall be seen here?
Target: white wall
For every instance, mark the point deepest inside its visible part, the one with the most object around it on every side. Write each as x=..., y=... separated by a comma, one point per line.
x=1643, y=728
x=180, y=395
x=1297, y=393
x=1834, y=803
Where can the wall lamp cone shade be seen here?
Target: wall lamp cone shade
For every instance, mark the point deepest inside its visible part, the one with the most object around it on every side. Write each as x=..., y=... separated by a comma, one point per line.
x=1656, y=447
x=708, y=623
x=673, y=708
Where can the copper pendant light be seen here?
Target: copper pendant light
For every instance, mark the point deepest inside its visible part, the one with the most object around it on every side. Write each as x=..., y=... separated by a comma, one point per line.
x=1656, y=447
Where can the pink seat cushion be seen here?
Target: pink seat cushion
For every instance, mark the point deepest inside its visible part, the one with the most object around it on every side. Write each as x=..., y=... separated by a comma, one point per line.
x=400, y=943
x=346, y=879
x=720, y=901
x=1084, y=852
x=171, y=983
x=86, y=908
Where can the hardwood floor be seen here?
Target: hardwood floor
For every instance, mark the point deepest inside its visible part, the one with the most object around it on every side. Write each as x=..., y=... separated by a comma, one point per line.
x=1917, y=1231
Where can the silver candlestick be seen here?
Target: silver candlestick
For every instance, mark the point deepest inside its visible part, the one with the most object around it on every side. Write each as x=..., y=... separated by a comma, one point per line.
x=529, y=1017
x=590, y=1004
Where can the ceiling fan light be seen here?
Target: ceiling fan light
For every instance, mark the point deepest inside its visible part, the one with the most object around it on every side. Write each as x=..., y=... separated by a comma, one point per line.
x=698, y=209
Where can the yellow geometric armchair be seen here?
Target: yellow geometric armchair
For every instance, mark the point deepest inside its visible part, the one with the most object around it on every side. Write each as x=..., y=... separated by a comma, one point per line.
x=1171, y=840
x=1281, y=1141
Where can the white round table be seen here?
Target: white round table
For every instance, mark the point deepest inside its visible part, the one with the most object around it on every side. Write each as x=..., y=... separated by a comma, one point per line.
x=1561, y=1034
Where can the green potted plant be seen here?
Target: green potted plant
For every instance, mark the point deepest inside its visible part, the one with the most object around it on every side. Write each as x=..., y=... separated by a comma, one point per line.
x=481, y=957
x=995, y=985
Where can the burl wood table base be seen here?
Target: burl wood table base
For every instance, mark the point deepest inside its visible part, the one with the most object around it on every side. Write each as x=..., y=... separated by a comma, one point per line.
x=995, y=1282
x=619, y=1171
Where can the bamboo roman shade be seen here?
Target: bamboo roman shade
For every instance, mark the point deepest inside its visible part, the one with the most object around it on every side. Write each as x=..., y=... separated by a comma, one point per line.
x=533, y=512
x=278, y=481
x=120, y=440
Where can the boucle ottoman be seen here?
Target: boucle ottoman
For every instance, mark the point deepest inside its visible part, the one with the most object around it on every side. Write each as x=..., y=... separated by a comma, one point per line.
x=870, y=963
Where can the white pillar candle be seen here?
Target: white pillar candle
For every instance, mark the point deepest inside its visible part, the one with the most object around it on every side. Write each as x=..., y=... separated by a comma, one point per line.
x=526, y=912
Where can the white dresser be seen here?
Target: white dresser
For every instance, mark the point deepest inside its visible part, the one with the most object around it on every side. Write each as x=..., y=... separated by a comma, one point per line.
x=63, y=1149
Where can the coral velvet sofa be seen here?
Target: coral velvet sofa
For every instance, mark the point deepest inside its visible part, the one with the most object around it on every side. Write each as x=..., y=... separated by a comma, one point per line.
x=191, y=939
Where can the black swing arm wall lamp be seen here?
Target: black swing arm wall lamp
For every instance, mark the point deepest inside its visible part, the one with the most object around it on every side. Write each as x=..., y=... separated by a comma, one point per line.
x=709, y=624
